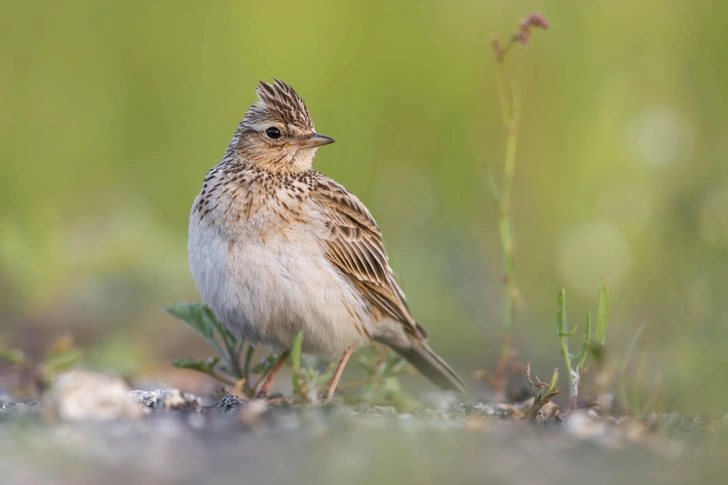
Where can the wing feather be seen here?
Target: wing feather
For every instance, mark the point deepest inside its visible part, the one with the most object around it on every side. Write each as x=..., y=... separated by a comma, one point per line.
x=354, y=245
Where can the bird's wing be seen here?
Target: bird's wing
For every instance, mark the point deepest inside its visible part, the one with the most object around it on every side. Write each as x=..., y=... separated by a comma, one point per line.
x=354, y=245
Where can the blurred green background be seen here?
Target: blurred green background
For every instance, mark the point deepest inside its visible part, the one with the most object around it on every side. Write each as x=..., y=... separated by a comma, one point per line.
x=112, y=112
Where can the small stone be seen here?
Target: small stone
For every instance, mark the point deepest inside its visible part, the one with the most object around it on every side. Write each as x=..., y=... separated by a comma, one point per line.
x=145, y=398
x=229, y=403
x=583, y=426
x=91, y=396
x=171, y=400
x=484, y=409
x=253, y=413
x=19, y=409
x=458, y=411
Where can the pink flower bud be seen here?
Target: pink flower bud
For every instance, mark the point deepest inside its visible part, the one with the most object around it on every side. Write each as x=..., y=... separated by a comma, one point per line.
x=535, y=20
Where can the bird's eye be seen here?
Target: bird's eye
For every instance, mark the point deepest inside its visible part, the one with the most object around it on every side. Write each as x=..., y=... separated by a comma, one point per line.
x=273, y=133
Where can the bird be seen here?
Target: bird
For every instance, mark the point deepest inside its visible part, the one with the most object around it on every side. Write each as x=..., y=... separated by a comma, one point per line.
x=277, y=248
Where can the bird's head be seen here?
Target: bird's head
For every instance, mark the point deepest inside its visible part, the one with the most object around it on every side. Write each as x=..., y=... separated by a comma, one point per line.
x=277, y=132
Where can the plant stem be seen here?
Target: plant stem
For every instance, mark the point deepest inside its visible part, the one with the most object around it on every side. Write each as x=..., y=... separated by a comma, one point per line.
x=233, y=358
x=509, y=108
x=248, y=360
x=222, y=378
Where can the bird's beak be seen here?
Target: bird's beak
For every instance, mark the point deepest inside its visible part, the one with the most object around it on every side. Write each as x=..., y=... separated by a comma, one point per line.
x=316, y=140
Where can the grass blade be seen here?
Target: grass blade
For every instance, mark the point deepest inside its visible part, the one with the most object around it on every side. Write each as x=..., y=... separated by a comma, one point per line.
x=296, y=362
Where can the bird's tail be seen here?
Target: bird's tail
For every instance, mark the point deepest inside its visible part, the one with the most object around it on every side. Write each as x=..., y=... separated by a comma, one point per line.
x=425, y=360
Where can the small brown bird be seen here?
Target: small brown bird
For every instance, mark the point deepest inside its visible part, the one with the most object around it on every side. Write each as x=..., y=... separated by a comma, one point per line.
x=277, y=248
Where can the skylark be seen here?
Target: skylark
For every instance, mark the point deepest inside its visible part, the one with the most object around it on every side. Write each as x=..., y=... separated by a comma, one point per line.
x=277, y=248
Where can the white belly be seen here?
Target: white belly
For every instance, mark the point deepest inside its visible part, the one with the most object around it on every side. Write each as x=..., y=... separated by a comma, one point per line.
x=268, y=288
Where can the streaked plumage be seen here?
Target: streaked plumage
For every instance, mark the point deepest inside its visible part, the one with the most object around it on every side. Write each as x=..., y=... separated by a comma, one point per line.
x=277, y=248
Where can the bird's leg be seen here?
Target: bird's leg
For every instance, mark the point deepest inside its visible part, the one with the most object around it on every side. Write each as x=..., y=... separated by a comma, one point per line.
x=337, y=375
x=263, y=391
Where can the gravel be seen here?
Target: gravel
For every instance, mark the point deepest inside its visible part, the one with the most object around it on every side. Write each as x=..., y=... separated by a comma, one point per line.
x=170, y=436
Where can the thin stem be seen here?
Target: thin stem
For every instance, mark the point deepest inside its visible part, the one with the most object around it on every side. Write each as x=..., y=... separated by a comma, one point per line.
x=567, y=357
x=509, y=107
x=505, y=222
x=574, y=393
x=510, y=113
x=506, y=48
x=222, y=378
x=248, y=360
x=233, y=358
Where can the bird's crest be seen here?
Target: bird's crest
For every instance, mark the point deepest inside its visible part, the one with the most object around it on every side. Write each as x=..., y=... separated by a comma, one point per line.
x=281, y=102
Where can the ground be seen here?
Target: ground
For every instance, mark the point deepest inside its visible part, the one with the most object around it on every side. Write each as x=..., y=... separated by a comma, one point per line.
x=91, y=429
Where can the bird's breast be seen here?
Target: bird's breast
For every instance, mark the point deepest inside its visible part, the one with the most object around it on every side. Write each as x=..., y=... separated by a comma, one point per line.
x=268, y=284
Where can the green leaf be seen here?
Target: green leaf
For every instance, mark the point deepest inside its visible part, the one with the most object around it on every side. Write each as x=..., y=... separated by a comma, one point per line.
x=231, y=341
x=296, y=361
x=62, y=361
x=602, y=314
x=561, y=324
x=11, y=355
x=193, y=315
x=200, y=318
x=207, y=366
x=554, y=380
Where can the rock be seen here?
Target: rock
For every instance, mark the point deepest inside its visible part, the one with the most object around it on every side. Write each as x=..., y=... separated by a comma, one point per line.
x=91, y=396
x=229, y=403
x=584, y=424
x=18, y=409
x=146, y=398
x=171, y=400
x=10, y=406
x=253, y=415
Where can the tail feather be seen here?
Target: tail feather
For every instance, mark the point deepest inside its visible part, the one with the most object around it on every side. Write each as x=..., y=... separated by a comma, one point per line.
x=425, y=360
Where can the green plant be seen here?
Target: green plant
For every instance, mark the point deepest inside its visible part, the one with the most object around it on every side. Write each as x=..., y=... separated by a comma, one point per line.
x=226, y=366
x=510, y=113
x=12, y=355
x=62, y=355
x=380, y=384
x=542, y=392
x=592, y=345
x=309, y=376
